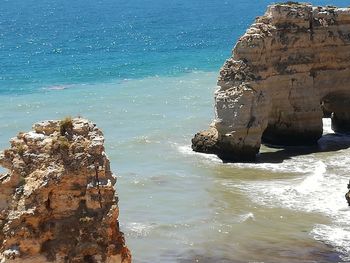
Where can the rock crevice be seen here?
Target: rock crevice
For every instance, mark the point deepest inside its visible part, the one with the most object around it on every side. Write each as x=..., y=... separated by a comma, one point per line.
x=290, y=68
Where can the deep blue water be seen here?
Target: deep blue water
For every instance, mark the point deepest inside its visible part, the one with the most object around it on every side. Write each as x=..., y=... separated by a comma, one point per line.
x=57, y=42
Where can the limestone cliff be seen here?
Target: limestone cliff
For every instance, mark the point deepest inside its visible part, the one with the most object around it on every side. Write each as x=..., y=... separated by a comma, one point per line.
x=290, y=68
x=57, y=201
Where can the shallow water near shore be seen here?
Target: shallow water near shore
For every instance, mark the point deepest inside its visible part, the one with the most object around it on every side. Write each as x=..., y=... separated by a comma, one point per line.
x=181, y=206
x=145, y=73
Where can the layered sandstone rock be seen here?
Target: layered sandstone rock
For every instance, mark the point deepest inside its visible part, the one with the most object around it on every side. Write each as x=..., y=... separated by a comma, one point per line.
x=57, y=201
x=290, y=68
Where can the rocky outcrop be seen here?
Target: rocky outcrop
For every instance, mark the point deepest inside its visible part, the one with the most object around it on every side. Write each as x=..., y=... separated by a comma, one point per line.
x=57, y=201
x=288, y=70
x=347, y=195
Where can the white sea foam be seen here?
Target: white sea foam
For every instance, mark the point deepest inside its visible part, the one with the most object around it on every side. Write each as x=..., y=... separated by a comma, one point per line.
x=335, y=236
x=297, y=164
x=142, y=139
x=294, y=164
x=245, y=217
x=55, y=87
x=137, y=229
x=312, y=182
x=319, y=191
x=187, y=150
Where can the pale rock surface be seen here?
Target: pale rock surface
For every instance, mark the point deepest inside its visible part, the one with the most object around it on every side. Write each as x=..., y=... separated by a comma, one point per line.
x=288, y=70
x=57, y=201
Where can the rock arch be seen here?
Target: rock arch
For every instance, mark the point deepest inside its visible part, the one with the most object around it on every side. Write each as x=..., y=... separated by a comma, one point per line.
x=290, y=68
x=337, y=106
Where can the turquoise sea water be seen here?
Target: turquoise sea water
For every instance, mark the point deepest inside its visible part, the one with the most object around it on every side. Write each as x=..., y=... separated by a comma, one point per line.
x=145, y=72
x=47, y=42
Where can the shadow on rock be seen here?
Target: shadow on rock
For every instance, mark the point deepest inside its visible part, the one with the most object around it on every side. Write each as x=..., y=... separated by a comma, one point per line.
x=327, y=143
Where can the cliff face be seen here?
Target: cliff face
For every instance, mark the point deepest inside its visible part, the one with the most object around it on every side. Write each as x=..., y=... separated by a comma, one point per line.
x=57, y=201
x=290, y=68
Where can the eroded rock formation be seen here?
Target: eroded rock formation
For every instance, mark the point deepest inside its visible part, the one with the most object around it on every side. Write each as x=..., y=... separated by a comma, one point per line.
x=57, y=201
x=288, y=70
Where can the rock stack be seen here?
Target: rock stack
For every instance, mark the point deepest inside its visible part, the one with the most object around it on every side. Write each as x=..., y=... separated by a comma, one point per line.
x=57, y=200
x=290, y=68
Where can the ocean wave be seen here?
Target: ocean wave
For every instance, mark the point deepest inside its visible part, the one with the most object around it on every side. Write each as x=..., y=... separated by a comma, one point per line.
x=187, y=150
x=55, y=87
x=335, y=236
x=320, y=191
x=142, y=140
x=245, y=217
x=297, y=164
x=138, y=229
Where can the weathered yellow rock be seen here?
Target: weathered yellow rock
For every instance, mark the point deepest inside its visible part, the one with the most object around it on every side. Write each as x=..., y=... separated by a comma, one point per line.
x=57, y=201
x=289, y=63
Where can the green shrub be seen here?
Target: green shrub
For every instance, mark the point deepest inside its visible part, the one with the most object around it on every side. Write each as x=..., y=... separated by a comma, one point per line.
x=66, y=125
x=63, y=143
x=20, y=149
x=60, y=144
x=22, y=181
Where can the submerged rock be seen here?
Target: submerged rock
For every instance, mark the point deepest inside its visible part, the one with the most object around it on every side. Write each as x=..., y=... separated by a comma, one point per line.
x=290, y=68
x=57, y=201
x=347, y=195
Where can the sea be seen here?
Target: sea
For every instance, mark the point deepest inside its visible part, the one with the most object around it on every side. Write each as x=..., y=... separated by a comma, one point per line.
x=145, y=72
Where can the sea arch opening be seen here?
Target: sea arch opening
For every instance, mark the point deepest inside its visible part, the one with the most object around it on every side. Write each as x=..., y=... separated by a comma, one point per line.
x=336, y=106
